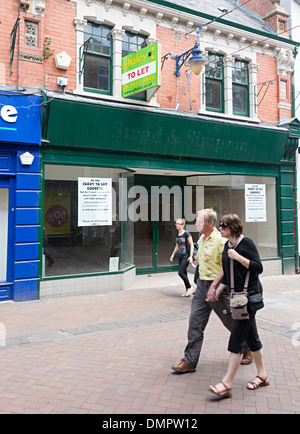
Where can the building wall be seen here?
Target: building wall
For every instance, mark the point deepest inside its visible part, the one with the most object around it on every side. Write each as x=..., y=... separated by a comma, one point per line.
x=272, y=106
x=34, y=67
x=173, y=88
x=61, y=26
x=9, y=12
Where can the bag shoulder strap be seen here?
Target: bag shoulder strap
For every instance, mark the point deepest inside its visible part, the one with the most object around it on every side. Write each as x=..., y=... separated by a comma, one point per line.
x=232, y=271
x=232, y=277
x=247, y=280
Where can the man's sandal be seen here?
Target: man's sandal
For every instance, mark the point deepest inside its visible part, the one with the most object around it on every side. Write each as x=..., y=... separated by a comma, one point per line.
x=254, y=385
x=223, y=393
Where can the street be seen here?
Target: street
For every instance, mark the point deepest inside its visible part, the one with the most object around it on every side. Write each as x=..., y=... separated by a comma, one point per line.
x=111, y=354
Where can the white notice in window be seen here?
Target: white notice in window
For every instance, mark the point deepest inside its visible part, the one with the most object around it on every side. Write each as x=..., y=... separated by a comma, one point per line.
x=113, y=263
x=94, y=201
x=255, y=202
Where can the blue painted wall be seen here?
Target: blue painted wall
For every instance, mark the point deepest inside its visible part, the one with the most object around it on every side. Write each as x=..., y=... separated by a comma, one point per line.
x=17, y=137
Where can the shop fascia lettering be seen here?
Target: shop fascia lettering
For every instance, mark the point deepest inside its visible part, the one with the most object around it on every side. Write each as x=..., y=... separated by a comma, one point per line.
x=20, y=117
x=9, y=114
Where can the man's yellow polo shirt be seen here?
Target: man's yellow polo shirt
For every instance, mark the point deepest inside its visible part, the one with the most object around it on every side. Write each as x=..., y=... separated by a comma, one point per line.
x=210, y=255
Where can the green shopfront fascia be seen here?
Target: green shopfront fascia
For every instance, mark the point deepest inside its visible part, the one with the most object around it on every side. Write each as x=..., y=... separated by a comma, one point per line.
x=116, y=178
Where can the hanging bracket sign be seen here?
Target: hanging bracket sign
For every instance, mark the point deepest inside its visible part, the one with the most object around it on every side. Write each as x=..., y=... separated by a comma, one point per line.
x=141, y=71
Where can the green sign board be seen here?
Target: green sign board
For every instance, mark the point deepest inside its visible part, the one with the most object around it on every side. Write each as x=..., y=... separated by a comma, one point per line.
x=141, y=71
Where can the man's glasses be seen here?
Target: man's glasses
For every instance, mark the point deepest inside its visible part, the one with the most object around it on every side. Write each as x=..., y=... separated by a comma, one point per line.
x=223, y=226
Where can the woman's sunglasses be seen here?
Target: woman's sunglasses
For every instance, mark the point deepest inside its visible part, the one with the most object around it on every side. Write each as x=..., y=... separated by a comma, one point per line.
x=223, y=226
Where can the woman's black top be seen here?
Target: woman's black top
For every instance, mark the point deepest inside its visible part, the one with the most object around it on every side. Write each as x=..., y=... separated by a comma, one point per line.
x=183, y=244
x=248, y=250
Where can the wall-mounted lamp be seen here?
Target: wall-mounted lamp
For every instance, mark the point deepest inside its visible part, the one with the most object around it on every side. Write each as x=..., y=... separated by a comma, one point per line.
x=197, y=61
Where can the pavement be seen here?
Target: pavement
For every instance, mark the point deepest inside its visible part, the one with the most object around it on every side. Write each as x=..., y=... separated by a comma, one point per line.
x=111, y=354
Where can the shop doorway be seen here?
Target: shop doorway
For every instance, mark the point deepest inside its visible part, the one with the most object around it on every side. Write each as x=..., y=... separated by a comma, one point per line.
x=5, y=242
x=154, y=230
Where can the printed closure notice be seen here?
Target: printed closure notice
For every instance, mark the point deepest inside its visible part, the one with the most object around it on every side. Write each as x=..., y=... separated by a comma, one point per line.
x=255, y=203
x=94, y=201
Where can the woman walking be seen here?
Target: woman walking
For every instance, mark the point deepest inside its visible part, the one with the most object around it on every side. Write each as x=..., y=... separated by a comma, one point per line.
x=243, y=252
x=184, y=246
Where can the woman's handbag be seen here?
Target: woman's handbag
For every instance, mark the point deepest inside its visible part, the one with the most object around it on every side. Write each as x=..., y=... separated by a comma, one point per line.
x=256, y=301
x=238, y=300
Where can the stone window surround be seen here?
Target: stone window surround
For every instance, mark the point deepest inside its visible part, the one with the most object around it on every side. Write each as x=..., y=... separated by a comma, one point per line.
x=117, y=35
x=228, y=105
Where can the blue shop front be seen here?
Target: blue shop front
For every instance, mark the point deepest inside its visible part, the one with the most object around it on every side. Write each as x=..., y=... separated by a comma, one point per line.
x=20, y=136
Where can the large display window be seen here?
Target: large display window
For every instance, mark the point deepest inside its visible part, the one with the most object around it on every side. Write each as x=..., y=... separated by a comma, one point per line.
x=253, y=198
x=83, y=231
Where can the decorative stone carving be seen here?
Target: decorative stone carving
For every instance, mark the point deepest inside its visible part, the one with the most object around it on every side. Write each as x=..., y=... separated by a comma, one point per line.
x=266, y=47
x=24, y=5
x=174, y=22
x=126, y=7
x=189, y=26
x=108, y=4
x=229, y=37
x=80, y=24
x=143, y=12
x=159, y=17
x=36, y=58
x=31, y=34
x=228, y=61
x=253, y=67
x=117, y=34
x=285, y=62
x=40, y=7
x=242, y=40
x=217, y=33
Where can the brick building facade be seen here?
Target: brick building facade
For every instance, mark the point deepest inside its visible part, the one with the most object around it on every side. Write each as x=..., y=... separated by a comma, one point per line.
x=216, y=133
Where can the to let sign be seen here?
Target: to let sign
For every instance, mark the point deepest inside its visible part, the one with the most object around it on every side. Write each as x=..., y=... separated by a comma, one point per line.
x=141, y=71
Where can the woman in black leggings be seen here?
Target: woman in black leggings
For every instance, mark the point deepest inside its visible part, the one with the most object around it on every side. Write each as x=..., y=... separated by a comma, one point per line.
x=184, y=246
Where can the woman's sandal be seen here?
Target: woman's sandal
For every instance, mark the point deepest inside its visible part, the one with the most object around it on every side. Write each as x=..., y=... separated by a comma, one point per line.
x=189, y=292
x=254, y=385
x=224, y=393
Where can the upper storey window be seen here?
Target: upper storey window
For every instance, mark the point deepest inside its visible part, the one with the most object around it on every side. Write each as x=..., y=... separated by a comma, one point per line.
x=240, y=88
x=130, y=43
x=97, y=58
x=214, y=83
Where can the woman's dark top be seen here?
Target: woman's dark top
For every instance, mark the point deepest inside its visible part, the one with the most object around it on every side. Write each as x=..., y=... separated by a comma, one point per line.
x=248, y=250
x=183, y=244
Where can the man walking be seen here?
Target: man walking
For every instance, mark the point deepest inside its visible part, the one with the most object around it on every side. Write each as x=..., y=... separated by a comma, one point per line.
x=210, y=250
